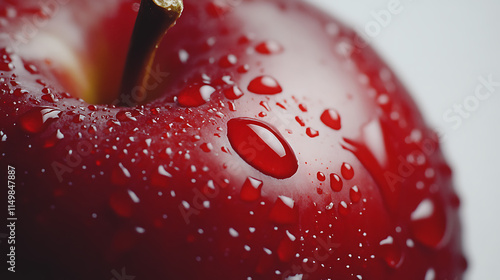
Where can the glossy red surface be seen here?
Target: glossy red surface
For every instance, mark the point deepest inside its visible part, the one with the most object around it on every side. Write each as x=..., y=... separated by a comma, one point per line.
x=343, y=181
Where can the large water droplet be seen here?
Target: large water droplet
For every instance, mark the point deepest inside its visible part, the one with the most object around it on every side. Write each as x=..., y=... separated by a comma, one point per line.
x=195, y=95
x=429, y=223
x=250, y=191
x=36, y=119
x=331, y=118
x=262, y=147
x=264, y=85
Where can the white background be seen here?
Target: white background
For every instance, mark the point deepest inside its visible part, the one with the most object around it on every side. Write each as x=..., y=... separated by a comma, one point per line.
x=439, y=49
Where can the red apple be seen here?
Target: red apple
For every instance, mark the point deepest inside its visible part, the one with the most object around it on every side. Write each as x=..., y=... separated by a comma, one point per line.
x=270, y=143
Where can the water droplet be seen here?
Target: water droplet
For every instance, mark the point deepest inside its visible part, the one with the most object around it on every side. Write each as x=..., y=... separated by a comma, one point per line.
x=284, y=211
x=336, y=182
x=430, y=274
x=429, y=224
x=303, y=107
x=207, y=147
x=36, y=119
x=312, y=132
x=53, y=139
x=265, y=105
x=31, y=68
x=262, y=147
x=233, y=92
x=250, y=191
x=300, y=121
x=120, y=175
x=78, y=118
x=217, y=9
x=20, y=92
x=122, y=202
x=355, y=194
x=264, y=85
x=125, y=116
x=6, y=66
x=161, y=177
x=50, y=98
x=183, y=56
x=228, y=61
x=243, y=68
x=321, y=176
x=347, y=171
x=344, y=208
x=331, y=118
x=269, y=47
x=233, y=232
x=195, y=95
x=391, y=252
x=287, y=247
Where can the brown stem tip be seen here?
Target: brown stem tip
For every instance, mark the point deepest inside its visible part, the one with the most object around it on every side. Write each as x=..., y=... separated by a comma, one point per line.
x=154, y=19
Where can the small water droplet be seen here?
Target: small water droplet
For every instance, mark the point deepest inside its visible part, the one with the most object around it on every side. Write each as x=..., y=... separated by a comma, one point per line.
x=265, y=85
x=50, y=98
x=347, y=171
x=336, y=182
x=207, y=147
x=331, y=118
x=78, y=118
x=36, y=119
x=430, y=274
x=195, y=95
x=251, y=189
x=303, y=107
x=284, y=211
x=355, y=194
x=183, y=56
x=120, y=175
x=243, y=69
x=312, y=132
x=233, y=92
x=228, y=61
x=300, y=120
x=161, y=177
x=31, y=68
x=125, y=116
x=262, y=147
x=269, y=47
x=53, y=139
x=344, y=208
x=321, y=176
x=122, y=202
x=287, y=248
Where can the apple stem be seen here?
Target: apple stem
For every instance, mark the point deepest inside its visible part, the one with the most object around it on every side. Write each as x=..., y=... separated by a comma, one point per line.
x=154, y=19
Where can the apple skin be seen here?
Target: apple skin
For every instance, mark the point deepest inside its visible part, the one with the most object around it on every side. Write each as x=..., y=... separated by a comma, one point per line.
x=160, y=191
